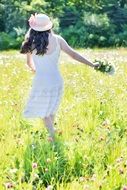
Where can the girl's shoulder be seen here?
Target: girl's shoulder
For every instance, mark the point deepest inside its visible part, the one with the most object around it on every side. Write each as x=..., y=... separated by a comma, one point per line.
x=58, y=36
x=60, y=39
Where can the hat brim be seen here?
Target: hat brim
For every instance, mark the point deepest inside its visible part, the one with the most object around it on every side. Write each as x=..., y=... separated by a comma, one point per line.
x=41, y=28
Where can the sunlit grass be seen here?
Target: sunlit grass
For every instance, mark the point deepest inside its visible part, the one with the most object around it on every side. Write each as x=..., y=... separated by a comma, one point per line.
x=91, y=147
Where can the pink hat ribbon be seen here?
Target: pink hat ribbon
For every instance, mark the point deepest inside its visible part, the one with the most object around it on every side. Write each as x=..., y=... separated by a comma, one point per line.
x=32, y=20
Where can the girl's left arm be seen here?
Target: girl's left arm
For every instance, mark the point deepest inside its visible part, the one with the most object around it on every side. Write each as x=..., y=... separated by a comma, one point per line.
x=30, y=62
x=75, y=55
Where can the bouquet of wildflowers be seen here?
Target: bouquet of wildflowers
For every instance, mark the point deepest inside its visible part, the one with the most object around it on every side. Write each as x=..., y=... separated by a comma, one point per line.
x=105, y=67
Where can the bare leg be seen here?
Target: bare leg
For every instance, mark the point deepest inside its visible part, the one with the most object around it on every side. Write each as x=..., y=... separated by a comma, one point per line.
x=48, y=122
x=52, y=118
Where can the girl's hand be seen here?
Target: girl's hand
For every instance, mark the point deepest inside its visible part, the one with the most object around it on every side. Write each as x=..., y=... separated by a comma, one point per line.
x=96, y=65
x=33, y=70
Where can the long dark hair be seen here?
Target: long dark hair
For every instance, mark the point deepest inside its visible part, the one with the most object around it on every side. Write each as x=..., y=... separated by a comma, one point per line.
x=35, y=40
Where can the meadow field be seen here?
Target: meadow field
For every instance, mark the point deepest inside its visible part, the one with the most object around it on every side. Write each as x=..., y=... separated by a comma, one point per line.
x=90, y=152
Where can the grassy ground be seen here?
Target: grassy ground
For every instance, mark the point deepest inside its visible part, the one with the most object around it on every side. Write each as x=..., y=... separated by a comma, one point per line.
x=91, y=123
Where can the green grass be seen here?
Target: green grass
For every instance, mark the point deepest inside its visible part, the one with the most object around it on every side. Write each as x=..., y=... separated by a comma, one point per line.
x=91, y=152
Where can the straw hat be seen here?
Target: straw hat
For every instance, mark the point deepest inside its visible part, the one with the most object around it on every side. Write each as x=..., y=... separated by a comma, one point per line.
x=40, y=22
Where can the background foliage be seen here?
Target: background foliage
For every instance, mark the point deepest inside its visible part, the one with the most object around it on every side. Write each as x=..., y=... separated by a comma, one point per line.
x=83, y=23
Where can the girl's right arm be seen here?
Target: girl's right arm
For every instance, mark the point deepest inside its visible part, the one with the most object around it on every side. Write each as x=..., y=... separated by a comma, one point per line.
x=30, y=62
x=75, y=55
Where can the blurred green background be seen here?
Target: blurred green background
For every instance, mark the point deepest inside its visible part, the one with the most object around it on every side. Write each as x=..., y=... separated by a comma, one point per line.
x=83, y=23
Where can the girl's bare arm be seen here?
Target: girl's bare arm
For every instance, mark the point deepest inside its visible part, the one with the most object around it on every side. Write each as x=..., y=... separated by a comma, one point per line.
x=30, y=62
x=75, y=55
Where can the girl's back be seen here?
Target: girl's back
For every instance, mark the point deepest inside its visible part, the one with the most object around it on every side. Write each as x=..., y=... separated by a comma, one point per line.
x=47, y=65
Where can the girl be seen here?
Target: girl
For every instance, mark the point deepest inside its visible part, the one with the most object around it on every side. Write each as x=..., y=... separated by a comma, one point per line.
x=42, y=48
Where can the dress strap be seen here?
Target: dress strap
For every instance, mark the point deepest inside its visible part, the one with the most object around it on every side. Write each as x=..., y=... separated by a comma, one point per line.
x=57, y=42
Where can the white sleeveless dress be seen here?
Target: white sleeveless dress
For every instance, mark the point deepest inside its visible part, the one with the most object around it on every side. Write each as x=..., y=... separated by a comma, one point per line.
x=47, y=86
